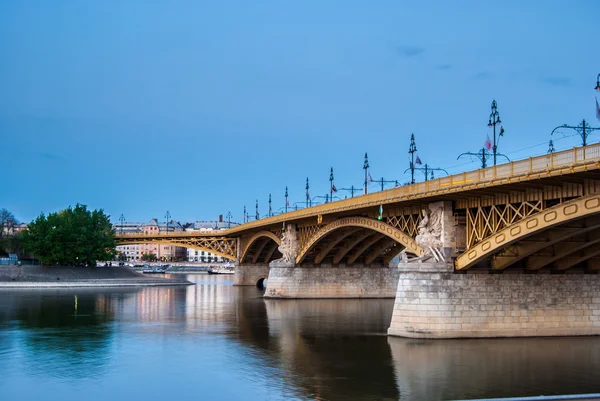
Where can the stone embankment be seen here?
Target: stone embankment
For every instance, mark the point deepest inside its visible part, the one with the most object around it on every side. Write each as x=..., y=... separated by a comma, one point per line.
x=54, y=277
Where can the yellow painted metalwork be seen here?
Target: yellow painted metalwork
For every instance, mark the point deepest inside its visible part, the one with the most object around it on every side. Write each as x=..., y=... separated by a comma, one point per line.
x=221, y=246
x=577, y=208
x=363, y=222
x=250, y=242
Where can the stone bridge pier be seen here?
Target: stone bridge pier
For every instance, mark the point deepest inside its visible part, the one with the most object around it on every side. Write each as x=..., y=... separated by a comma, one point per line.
x=250, y=274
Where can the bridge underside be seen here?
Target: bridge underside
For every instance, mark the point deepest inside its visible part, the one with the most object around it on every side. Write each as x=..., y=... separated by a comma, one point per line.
x=352, y=246
x=262, y=251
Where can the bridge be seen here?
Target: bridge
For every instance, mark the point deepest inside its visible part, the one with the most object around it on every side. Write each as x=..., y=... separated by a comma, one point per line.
x=533, y=222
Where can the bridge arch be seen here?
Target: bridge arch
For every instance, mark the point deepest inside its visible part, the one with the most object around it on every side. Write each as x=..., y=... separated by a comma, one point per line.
x=579, y=209
x=263, y=243
x=360, y=235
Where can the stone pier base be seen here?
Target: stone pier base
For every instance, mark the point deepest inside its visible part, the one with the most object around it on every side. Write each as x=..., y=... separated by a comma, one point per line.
x=250, y=274
x=434, y=302
x=332, y=282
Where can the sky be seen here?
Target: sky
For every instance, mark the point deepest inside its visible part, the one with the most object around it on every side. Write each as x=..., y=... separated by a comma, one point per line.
x=200, y=108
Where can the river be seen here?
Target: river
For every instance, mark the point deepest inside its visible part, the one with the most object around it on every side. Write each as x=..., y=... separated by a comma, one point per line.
x=213, y=341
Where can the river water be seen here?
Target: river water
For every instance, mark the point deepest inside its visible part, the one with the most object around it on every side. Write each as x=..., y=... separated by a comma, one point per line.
x=213, y=341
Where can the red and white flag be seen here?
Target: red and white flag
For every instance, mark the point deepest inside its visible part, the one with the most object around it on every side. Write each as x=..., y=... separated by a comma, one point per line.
x=597, y=110
x=370, y=178
x=488, y=143
x=287, y=203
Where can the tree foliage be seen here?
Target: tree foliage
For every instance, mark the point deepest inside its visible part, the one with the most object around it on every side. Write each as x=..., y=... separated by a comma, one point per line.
x=148, y=257
x=71, y=237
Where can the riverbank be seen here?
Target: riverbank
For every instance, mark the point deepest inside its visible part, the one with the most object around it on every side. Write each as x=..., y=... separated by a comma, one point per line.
x=65, y=276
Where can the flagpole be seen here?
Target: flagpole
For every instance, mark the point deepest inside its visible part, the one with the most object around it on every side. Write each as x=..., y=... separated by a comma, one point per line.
x=286, y=199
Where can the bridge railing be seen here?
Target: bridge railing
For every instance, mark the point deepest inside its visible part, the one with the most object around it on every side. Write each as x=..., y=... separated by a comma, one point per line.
x=516, y=168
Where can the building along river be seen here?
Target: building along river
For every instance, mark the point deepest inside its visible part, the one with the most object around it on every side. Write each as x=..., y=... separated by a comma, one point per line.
x=214, y=341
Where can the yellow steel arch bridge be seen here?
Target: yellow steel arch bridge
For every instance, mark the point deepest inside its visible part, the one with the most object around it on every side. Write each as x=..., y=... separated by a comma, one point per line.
x=539, y=213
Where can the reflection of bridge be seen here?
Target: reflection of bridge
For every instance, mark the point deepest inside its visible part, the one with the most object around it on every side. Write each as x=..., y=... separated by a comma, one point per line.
x=535, y=215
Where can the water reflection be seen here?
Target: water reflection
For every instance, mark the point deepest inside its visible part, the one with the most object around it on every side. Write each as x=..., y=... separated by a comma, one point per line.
x=482, y=368
x=229, y=343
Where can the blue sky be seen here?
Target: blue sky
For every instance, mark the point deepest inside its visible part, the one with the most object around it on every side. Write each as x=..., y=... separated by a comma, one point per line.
x=200, y=108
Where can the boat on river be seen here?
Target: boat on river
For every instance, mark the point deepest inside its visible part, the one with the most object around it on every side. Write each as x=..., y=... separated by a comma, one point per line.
x=160, y=269
x=226, y=269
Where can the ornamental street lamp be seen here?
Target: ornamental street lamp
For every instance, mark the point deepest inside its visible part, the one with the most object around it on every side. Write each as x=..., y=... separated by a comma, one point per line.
x=122, y=220
x=482, y=155
x=366, y=168
x=167, y=217
x=229, y=216
x=427, y=170
x=550, y=146
x=493, y=121
x=287, y=203
x=270, y=210
x=598, y=83
x=383, y=181
x=332, y=187
x=245, y=215
x=584, y=130
x=412, y=150
x=256, y=216
x=308, y=201
x=352, y=190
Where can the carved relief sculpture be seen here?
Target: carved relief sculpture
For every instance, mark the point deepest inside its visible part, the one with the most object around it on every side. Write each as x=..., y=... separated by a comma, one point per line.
x=289, y=248
x=429, y=237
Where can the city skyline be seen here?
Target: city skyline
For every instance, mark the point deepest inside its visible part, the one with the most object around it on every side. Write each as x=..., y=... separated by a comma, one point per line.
x=219, y=112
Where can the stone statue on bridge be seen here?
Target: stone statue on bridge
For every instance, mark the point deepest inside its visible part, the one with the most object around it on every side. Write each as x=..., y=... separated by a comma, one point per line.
x=289, y=248
x=429, y=237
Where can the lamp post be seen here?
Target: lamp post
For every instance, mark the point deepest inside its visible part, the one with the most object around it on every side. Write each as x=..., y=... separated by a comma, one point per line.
x=382, y=181
x=122, y=220
x=229, y=216
x=245, y=215
x=482, y=155
x=270, y=210
x=366, y=168
x=256, y=216
x=331, y=186
x=167, y=217
x=427, y=170
x=598, y=83
x=307, y=194
x=287, y=203
x=550, y=146
x=493, y=121
x=584, y=130
x=412, y=150
x=352, y=190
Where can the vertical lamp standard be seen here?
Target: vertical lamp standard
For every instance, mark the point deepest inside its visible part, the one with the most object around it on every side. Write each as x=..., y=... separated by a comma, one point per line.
x=122, y=220
x=270, y=210
x=493, y=121
x=366, y=168
x=598, y=83
x=331, y=184
x=287, y=203
x=412, y=150
x=256, y=216
x=550, y=146
x=245, y=215
x=352, y=190
x=229, y=216
x=307, y=194
x=167, y=217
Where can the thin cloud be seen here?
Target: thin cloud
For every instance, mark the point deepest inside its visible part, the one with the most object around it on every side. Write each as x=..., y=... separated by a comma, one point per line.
x=557, y=81
x=410, y=51
x=482, y=75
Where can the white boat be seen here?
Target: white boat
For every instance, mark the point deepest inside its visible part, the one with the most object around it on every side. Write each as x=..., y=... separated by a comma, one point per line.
x=225, y=269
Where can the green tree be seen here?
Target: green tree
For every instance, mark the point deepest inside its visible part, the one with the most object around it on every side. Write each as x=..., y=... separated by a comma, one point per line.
x=71, y=237
x=148, y=257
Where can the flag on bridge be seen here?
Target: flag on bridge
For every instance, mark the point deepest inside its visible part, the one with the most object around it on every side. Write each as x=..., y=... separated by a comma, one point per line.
x=418, y=161
x=370, y=178
x=488, y=143
x=333, y=188
x=597, y=110
x=501, y=131
x=287, y=203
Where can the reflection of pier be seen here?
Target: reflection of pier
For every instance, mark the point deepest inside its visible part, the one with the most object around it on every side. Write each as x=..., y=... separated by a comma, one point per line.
x=468, y=369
